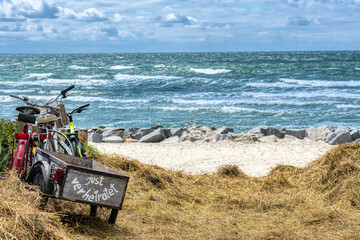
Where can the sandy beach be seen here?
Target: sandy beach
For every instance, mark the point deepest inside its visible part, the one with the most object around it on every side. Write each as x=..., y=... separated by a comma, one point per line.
x=255, y=159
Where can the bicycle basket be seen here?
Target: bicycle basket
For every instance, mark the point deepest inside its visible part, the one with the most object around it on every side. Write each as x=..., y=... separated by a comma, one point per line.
x=63, y=120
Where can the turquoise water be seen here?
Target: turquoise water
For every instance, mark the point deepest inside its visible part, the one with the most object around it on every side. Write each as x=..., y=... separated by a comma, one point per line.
x=241, y=90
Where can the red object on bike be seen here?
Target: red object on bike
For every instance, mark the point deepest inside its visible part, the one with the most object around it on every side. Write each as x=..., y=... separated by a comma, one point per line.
x=58, y=174
x=24, y=136
x=43, y=136
x=20, y=156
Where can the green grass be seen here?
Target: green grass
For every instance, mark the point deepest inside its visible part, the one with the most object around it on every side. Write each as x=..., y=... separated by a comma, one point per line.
x=7, y=128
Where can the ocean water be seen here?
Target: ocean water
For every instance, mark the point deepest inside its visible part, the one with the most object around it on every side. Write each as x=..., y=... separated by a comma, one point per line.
x=238, y=89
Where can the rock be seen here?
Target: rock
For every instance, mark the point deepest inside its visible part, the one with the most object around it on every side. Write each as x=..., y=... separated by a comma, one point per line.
x=95, y=137
x=276, y=132
x=317, y=134
x=268, y=131
x=110, y=131
x=355, y=134
x=156, y=127
x=260, y=129
x=173, y=139
x=125, y=134
x=156, y=136
x=340, y=136
x=130, y=140
x=112, y=139
x=141, y=132
x=244, y=138
x=133, y=129
x=299, y=133
x=167, y=132
x=176, y=132
x=99, y=131
x=224, y=137
x=196, y=133
x=224, y=130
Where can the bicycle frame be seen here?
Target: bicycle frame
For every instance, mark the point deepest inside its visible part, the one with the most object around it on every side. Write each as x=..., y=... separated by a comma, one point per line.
x=74, y=139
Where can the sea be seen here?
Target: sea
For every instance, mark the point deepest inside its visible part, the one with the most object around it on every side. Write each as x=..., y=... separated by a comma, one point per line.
x=241, y=90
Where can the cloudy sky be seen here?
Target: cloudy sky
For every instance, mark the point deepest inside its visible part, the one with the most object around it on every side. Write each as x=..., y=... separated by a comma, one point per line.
x=63, y=26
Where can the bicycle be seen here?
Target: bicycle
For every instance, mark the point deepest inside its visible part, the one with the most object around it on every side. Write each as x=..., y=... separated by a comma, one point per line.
x=73, y=135
x=50, y=116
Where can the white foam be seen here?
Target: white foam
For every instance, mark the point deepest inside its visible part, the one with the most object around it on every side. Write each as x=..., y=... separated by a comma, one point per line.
x=16, y=90
x=39, y=75
x=119, y=67
x=91, y=76
x=304, y=95
x=321, y=83
x=347, y=106
x=6, y=99
x=76, y=67
x=209, y=70
x=357, y=68
x=160, y=66
x=128, y=77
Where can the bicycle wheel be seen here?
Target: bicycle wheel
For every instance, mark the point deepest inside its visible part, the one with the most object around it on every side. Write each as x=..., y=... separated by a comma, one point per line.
x=60, y=146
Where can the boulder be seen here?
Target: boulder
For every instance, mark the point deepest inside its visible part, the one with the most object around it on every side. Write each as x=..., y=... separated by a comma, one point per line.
x=156, y=136
x=112, y=139
x=276, y=132
x=95, y=137
x=318, y=133
x=167, y=132
x=196, y=133
x=125, y=134
x=141, y=132
x=299, y=133
x=173, y=139
x=110, y=131
x=224, y=137
x=133, y=129
x=268, y=131
x=176, y=132
x=340, y=136
x=260, y=129
x=224, y=130
x=355, y=134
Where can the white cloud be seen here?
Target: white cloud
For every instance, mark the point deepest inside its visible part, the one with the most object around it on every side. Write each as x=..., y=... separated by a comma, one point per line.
x=172, y=19
x=91, y=15
x=22, y=9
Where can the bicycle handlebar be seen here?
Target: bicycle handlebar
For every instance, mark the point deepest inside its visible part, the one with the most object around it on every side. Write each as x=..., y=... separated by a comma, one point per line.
x=14, y=96
x=63, y=92
x=80, y=109
x=26, y=100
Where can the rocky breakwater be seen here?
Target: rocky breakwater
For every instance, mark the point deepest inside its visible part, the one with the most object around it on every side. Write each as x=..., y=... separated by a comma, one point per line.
x=194, y=133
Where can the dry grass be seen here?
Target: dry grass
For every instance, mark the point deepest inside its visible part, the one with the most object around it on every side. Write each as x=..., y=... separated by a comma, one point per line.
x=321, y=201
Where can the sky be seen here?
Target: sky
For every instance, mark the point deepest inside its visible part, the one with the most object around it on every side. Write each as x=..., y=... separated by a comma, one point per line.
x=102, y=26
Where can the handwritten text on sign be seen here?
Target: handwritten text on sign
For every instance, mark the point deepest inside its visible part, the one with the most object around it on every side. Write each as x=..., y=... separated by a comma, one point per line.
x=93, y=195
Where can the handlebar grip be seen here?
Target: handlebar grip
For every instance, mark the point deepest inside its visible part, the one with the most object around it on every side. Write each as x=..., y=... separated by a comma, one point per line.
x=26, y=118
x=14, y=96
x=84, y=106
x=63, y=92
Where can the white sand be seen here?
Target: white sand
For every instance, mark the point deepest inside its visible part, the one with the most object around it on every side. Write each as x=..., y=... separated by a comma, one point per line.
x=255, y=159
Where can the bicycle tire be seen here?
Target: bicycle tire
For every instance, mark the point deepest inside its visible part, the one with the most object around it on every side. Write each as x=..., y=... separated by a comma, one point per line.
x=58, y=145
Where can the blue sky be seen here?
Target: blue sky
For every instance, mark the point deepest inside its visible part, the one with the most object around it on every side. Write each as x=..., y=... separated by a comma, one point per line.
x=66, y=26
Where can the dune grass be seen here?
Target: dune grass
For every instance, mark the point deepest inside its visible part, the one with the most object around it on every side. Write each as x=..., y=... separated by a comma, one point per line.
x=320, y=201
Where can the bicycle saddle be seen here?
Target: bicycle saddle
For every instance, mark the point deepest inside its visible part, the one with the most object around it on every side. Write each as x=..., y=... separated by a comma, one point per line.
x=28, y=110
